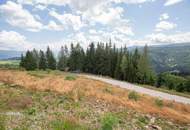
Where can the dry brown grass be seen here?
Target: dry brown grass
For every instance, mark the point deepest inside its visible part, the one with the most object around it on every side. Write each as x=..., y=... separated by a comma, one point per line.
x=80, y=87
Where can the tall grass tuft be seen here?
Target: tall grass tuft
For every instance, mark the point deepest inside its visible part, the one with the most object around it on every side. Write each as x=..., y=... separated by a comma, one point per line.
x=109, y=121
x=133, y=95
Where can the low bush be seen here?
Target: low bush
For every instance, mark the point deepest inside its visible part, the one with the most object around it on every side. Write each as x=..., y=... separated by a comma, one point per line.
x=133, y=95
x=70, y=77
x=2, y=123
x=31, y=111
x=159, y=102
x=109, y=121
x=66, y=125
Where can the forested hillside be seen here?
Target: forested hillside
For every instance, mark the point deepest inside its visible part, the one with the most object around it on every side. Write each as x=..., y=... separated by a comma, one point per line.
x=171, y=57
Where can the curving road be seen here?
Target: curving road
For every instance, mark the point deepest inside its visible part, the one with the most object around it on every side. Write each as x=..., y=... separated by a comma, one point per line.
x=142, y=90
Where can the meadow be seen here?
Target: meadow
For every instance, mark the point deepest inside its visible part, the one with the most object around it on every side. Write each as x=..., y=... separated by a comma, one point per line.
x=9, y=64
x=56, y=100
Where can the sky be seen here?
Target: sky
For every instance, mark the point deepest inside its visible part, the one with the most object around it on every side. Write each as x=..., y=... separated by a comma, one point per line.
x=27, y=24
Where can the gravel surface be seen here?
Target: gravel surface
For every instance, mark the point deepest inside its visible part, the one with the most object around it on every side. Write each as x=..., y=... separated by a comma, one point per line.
x=142, y=90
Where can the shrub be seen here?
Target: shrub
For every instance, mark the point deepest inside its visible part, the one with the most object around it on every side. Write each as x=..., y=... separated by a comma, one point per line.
x=108, y=90
x=70, y=77
x=2, y=123
x=66, y=125
x=31, y=111
x=109, y=121
x=143, y=120
x=180, y=87
x=133, y=95
x=159, y=102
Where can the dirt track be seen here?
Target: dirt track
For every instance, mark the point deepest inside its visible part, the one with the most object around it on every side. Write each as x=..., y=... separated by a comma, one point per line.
x=142, y=90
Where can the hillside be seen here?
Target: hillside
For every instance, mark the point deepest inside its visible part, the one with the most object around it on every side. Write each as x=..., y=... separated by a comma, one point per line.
x=171, y=57
x=55, y=100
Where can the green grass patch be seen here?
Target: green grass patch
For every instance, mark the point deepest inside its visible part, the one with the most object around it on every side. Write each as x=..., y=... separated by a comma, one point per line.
x=38, y=74
x=109, y=121
x=67, y=125
x=2, y=122
x=9, y=64
x=70, y=77
x=108, y=90
x=159, y=102
x=133, y=96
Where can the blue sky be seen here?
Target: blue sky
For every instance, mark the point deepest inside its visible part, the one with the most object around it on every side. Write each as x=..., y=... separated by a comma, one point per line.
x=27, y=24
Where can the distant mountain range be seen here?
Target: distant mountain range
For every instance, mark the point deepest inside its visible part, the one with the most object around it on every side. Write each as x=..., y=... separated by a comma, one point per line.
x=8, y=54
x=173, y=57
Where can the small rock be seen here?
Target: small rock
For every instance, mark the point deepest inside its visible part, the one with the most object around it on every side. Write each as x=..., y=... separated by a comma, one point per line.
x=152, y=120
x=154, y=127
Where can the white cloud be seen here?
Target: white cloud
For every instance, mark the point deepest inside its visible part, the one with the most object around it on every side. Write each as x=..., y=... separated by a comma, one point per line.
x=12, y=40
x=40, y=7
x=54, y=26
x=17, y=16
x=46, y=2
x=68, y=20
x=103, y=15
x=173, y=38
x=84, y=5
x=127, y=30
x=164, y=16
x=165, y=25
x=172, y=2
x=92, y=31
x=132, y=1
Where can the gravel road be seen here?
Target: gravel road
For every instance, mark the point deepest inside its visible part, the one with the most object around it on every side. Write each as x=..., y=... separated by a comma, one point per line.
x=142, y=90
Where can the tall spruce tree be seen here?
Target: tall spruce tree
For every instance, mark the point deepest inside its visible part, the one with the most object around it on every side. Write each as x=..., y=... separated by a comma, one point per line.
x=42, y=61
x=145, y=72
x=51, y=61
x=90, y=59
x=135, y=60
x=100, y=59
x=36, y=57
x=63, y=58
x=124, y=66
x=118, y=72
x=29, y=61
x=22, y=64
x=76, y=59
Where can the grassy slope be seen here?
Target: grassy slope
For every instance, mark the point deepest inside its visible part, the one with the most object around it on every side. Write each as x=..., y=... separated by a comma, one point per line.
x=11, y=62
x=71, y=102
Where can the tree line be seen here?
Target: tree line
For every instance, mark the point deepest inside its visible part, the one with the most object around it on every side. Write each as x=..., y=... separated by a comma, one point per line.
x=103, y=59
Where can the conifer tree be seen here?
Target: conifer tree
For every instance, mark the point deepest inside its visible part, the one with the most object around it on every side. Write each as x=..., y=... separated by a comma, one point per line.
x=118, y=72
x=63, y=58
x=42, y=61
x=90, y=59
x=51, y=62
x=135, y=60
x=22, y=61
x=145, y=72
x=76, y=60
x=36, y=57
x=124, y=66
x=29, y=61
